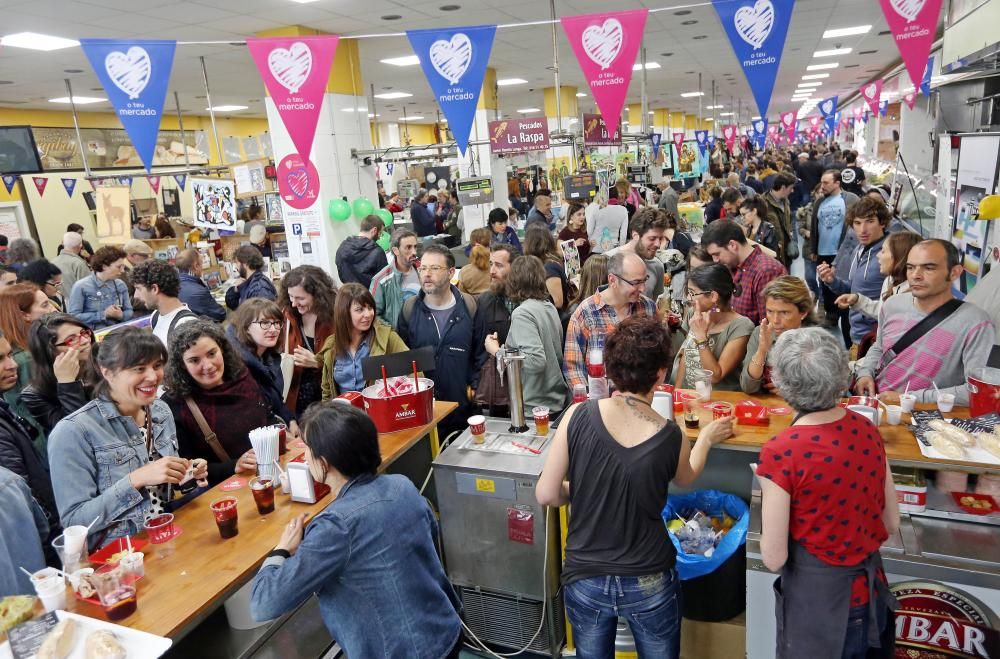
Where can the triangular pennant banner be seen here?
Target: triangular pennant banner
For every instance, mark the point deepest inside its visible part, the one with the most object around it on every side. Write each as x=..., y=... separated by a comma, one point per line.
x=127, y=180
x=910, y=99
x=8, y=181
x=181, y=180
x=925, y=82
x=135, y=76
x=701, y=136
x=678, y=141
x=295, y=72
x=154, y=183
x=872, y=93
x=757, y=31
x=828, y=108
x=744, y=142
x=788, y=121
x=69, y=184
x=729, y=134
x=914, y=26
x=454, y=62
x=655, y=139
x=606, y=45
x=40, y=183
x=711, y=142
x=883, y=107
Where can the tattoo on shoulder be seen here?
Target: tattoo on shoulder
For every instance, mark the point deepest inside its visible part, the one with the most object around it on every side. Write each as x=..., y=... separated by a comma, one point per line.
x=645, y=413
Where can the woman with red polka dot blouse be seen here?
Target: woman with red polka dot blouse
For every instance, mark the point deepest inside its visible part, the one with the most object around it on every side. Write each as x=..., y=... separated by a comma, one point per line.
x=828, y=505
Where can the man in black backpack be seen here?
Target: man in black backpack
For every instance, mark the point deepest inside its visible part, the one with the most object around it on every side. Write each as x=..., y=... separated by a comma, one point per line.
x=157, y=285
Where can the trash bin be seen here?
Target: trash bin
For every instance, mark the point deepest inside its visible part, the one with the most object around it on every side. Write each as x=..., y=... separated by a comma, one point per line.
x=713, y=587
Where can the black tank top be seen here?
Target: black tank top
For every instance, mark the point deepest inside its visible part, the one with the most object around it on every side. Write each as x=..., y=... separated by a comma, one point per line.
x=616, y=496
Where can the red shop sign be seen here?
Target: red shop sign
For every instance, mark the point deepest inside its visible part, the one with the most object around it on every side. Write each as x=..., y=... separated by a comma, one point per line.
x=595, y=132
x=519, y=135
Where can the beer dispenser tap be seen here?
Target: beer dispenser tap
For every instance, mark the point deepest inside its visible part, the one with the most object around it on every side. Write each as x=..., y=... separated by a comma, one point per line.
x=512, y=361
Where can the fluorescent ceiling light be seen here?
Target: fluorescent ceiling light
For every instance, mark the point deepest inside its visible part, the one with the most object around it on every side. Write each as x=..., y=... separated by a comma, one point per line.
x=410, y=118
x=833, y=52
x=526, y=110
x=822, y=67
x=692, y=94
x=726, y=114
x=507, y=82
x=816, y=76
x=35, y=41
x=393, y=95
x=581, y=95
x=372, y=116
x=303, y=2
x=847, y=31
x=573, y=121
x=810, y=84
x=353, y=110
x=709, y=119
x=406, y=60
x=649, y=66
x=650, y=112
x=226, y=108
x=754, y=118
x=714, y=107
x=79, y=100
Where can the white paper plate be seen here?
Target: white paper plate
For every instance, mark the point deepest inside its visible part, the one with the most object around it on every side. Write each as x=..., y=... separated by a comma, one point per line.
x=138, y=645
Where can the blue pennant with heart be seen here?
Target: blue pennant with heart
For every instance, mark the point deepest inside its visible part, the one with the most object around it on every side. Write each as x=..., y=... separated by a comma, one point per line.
x=757, y=31
x=925, y=83
x=454, y=61
x=828, y=108
x=69, y=184
x=135, y=76
x=9, y=180
x=759, y=132
x=655, y=139
x=701, y=136
x=181, y=180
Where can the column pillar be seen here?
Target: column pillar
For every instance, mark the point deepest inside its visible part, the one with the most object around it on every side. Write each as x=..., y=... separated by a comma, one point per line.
x=312, y=237
x=485, y=164
x=561, y=159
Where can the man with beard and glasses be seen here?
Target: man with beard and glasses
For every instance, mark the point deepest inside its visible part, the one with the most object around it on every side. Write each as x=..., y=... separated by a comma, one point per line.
x=646, y=231
x=399, y=281
x=493, y=317
x=255, y=283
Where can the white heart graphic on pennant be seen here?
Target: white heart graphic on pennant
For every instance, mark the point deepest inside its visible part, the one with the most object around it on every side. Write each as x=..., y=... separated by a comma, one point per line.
x=129, y=71
x=602, y=44
x=908, y=9
x=754, y=23
x=452, y=58
x=291, y=66
x=759, y=126
x=827, y=106
x=728, y=131
x=870, y=90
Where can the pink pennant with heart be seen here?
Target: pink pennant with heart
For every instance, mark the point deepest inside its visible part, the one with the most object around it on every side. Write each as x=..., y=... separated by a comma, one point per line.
x=814, y=121
x=910, y=99
x=788, y=121
x=729, y=134
x=914, y=26
x=298, y=182
x=295, y=71
x=40, y=183
x=606, y=45
x=154, y=183
x=678, y=140
x=772, y=129
x=872, y=93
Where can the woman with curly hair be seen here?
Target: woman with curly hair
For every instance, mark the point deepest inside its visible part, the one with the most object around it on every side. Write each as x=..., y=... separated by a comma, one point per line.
x=307, y=298
x=211, y=392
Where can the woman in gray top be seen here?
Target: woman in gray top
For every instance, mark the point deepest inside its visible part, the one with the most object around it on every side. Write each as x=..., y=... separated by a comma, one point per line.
x=535, y=330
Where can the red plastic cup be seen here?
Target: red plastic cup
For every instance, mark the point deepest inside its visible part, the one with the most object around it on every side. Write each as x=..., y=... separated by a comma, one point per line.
x=160, y=529
x=263, y=494
x=477, y=426
x=226, y=518
x=282, y=445
x=722, y=410
x=579, y=393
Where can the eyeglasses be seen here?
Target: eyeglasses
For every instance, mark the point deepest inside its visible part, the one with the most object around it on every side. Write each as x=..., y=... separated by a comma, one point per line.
x=267, y=324
x=75, y=339
x=431, y=268
x=691, y=294
x=633, y=283
x=53, y=283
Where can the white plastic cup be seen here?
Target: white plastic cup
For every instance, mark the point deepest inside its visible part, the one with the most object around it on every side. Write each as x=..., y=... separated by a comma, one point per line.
x=907, y=402
x=894, y=414
x=45, y=574
x=134, y=564
x=52, y=592
x=76, y=538
x=945, y=402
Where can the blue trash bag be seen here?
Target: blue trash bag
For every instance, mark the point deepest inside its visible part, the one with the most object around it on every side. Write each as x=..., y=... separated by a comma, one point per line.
x=714, y=504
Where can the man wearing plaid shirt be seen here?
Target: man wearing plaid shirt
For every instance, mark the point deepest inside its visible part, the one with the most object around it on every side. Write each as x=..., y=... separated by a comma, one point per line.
x=599, y=314
x=752, y=269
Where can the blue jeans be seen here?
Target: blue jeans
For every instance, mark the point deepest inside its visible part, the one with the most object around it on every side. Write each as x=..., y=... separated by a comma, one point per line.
x=856, y=640
x=650, y=604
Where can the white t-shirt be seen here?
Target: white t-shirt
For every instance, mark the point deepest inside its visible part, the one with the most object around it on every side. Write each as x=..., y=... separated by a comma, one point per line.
x=163, y=322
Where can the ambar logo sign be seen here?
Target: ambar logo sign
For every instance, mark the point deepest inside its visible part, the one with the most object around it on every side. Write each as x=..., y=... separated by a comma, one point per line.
x=935, y=621
x=405, y=412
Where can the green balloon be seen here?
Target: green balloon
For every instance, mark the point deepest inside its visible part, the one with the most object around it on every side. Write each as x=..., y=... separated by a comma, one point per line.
x=363, y=207
x=340, y=210
x=385, y=215
x=383, y=241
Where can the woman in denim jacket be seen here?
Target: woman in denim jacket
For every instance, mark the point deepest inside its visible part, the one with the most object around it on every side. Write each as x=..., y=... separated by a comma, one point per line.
x=115, y=459
x=369, y=555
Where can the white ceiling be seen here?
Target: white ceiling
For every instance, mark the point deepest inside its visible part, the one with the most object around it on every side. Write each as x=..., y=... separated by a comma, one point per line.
x=29, y=78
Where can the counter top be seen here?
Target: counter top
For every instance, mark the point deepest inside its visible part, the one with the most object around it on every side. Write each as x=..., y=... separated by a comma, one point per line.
x=900, y=445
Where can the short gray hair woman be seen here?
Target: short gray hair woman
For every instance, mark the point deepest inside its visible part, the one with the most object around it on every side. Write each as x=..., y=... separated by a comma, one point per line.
x=828, y=505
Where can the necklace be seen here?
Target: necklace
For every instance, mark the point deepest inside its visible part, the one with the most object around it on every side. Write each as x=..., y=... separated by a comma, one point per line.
x=627, y=397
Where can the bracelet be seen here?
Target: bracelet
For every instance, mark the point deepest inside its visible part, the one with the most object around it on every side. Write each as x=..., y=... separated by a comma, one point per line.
x=754, y=362
x=701, y=345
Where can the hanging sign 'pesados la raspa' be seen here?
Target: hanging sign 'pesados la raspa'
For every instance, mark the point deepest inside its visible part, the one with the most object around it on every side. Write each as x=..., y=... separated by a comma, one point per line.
x=935, y=621
x=519, y=135
x=596, y=133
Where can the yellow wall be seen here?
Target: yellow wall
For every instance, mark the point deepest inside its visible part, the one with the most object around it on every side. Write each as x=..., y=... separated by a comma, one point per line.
x=419, y=133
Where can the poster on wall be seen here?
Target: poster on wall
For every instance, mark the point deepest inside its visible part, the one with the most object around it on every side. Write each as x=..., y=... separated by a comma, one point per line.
x=689, y=164
x=107, y=148
x=272, y=204
x=214, y=203
x=936, y=619
x=114, y=221
x=976, y=177
x=249, y=179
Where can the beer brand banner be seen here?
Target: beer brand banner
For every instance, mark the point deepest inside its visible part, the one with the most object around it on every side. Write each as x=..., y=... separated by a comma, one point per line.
x=134, y=75
x=788, y=121
x=925, y=82
x=678, y=141
x=519, y=135
x=757, y=31
x=655, y=139
x=454, y=62
x=9, y=180
x=914, y=26
x=936, y=620
x=295, y=72
x=729, y=134
x=701, y=136
x=595, y=132
x=872, y=93
x=40, y=184
x=154, y=183
x=69, y=184
x=910, y=99
x=606, y=45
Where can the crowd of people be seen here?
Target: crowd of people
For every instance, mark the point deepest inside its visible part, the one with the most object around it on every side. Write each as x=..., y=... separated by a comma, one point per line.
x=109, y=429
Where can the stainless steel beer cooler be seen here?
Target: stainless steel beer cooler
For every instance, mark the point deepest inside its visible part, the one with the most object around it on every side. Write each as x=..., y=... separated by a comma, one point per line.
x=495, y=536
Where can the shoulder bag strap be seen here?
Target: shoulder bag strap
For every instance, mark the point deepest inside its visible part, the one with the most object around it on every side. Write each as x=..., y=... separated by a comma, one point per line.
x=210, y=437
x=929, y=322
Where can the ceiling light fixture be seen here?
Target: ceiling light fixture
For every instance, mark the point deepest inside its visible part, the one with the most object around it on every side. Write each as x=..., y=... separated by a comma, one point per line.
x=726, y=114
x=507, y=82
x=714, y=107
x=304, y=2
x=35, y=41
x=406, y=60
x=692, y=94
x=649, y=66
x=581, y=95
x=810, y=84
x=226, y=108
x=833, y=52
x=822, y=67
x=816, y=76
x=79, y=100
x=847, y=31
x=416, y=118
x=393, y=95
x=527, y=110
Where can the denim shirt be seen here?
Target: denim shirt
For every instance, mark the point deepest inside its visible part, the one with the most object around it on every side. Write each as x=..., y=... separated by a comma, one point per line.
x=347, y=369
x=91, y=453
x=90, y=297
x=22, y=530
x=371, y=559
